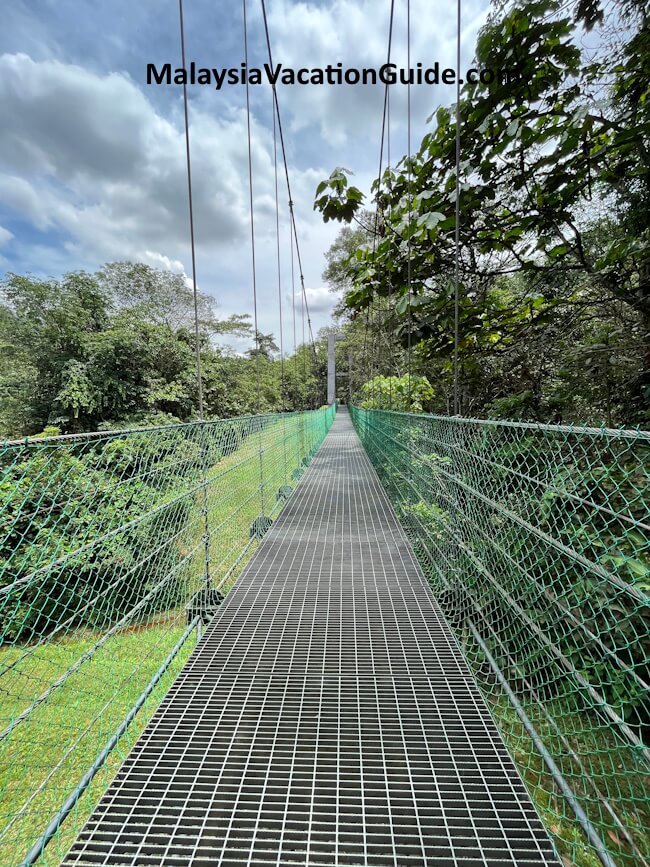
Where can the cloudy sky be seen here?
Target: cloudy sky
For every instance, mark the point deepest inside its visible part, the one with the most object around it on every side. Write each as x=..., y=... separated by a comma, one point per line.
x=92, y=161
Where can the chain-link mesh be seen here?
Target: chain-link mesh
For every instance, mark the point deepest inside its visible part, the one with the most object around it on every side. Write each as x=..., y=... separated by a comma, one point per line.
x=110, y=544
x=536, y=539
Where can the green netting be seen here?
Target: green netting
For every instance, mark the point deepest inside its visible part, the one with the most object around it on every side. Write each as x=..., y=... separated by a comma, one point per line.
x=536, y=539
x=105, y=542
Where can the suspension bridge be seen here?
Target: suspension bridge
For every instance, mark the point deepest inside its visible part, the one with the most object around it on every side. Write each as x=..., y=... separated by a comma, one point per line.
x=327, y=715
x=417, y=644
x=321, y=638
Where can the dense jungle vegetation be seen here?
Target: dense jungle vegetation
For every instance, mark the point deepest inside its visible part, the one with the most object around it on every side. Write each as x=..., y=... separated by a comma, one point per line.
x=554, y=318
x=554, y=266
x=116, y=348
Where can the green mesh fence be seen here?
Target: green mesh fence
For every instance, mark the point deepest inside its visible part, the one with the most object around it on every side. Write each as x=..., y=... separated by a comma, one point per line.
x=536, y=540
x=111, y=545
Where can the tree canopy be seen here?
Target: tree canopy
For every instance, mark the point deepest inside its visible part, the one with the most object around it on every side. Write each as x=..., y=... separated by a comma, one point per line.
x=554, y=253
x=118, y=348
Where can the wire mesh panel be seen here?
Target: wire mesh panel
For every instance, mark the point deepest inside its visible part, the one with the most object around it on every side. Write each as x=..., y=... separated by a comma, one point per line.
x=326, y=717
x=537, y=542
x=110, y=545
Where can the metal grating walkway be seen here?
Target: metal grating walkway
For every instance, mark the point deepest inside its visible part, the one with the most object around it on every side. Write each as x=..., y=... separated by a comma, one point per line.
x=327, y=715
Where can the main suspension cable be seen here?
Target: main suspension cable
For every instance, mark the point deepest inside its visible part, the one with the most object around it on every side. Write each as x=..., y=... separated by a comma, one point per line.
x=375, y=348
x=252, y=221
x=383, y=127
x=197, y=341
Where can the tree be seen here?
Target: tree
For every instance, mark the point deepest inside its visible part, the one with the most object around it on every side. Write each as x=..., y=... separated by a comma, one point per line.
x=338, y=274
x=43, y=328
x=90, y=351
x=130, y=369
x=397, y=393
x=164, y=298
x=265, y=346
x=119, y=348
x=540, y=158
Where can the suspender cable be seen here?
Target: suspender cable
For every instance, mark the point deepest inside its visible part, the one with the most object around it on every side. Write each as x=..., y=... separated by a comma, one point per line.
x=293, y=310
x=297, y=400
x=390, y=282
x=252, y=214
x=409, y=198
x=457, y=218
x=195, y=294
x=304, y=360
x=385, y=133
x=365, y=344
x=252, y=221
x=277, y=239
x=375, y=348
x=286, y=172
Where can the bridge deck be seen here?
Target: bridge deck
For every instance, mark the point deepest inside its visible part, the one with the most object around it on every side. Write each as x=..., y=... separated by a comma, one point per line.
x=327, y=715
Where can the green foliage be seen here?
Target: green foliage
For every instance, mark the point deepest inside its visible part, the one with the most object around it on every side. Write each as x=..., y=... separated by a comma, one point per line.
x=163, y=297
x=335, y=199
x=92, y=352
x=554, y=227
x=77, y=493
x=265, y=346
x=400, y=393
x=535, y=538
x=338, y=273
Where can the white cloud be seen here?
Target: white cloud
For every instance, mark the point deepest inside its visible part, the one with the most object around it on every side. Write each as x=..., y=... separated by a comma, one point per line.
x=19, y=195
x=319, y=299
x=157, y=260
x=95, y=164
x=89, y=158
x=355, y=33
x=5, y=236
x=90, y=155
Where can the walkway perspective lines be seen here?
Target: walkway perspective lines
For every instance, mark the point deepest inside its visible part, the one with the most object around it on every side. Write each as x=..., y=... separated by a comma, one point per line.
x=326, y=717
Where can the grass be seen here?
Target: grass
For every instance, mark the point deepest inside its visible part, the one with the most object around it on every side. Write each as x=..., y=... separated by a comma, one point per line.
x=244, y=486
x=608, y=773
x=614, y=776
x=54, y=747
x=46, y=755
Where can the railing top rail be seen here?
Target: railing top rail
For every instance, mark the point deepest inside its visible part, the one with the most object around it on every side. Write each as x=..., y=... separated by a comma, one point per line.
x=112, y=545
x=626, y=433
x=38, y=439
x=536, y=541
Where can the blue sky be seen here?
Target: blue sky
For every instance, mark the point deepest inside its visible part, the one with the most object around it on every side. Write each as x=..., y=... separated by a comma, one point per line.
x=92, y=158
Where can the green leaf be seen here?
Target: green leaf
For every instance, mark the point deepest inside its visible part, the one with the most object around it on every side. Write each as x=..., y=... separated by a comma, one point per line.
x=431, y=219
